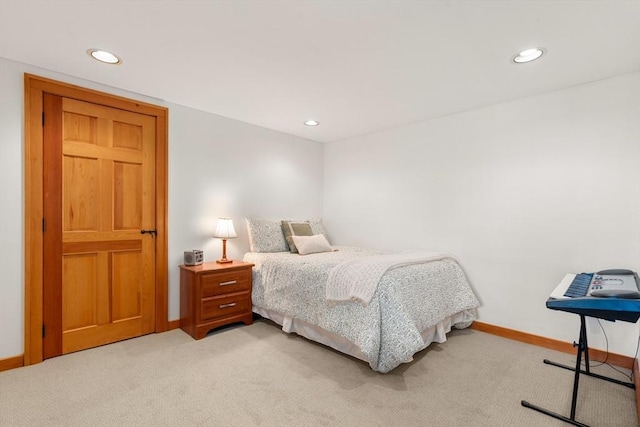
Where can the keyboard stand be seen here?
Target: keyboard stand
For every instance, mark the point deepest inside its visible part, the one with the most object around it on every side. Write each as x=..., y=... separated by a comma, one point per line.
x=583, y=348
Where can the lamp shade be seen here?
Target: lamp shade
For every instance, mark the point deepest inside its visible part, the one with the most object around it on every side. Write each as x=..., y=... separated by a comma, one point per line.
x=225, y=229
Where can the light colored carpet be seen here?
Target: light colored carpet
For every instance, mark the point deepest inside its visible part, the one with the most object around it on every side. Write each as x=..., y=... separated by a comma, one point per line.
x=259, y=376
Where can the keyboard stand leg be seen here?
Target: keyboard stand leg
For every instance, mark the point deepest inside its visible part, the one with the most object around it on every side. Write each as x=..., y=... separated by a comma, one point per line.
x=582, y=348
x=591, y=374
x=552, y=414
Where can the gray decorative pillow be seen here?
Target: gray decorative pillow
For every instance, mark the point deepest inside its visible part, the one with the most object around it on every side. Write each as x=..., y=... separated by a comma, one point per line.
x=316, y=225
x=266, y=236
x=291, y=228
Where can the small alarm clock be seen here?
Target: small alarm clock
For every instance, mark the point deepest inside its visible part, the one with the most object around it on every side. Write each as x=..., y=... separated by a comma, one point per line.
x=193, y=257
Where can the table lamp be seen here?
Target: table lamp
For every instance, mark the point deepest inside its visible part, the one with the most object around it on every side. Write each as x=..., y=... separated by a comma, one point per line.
x=225, y=231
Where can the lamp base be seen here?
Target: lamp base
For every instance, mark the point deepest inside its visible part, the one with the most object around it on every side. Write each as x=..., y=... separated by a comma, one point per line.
x=224, y=259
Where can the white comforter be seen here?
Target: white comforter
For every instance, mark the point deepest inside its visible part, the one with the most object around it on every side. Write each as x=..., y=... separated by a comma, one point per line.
x=409, y=300
x=358, y=278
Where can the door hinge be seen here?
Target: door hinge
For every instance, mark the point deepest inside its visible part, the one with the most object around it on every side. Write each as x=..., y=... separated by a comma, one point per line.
x=44, y=225
x=43, y=118
x=43, y=332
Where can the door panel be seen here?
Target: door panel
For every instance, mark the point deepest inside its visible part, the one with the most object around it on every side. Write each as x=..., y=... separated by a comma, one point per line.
x=80, y=273
x=126, y=273
x=127, y=185
x=80, y=193
x=107, y=195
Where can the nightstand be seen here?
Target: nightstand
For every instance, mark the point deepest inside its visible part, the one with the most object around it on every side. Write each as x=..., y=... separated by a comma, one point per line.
x=213, y=295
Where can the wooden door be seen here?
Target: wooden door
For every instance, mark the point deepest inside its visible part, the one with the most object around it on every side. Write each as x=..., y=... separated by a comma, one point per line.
x=99, y=194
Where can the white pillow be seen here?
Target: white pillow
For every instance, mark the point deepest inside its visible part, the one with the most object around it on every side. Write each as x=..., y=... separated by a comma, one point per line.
x=311, y=244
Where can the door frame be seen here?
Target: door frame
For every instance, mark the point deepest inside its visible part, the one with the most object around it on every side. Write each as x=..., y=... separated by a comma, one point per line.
x=34, y=89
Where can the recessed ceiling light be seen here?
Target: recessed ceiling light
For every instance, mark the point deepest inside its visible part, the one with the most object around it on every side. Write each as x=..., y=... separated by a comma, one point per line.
x=312, y=123
x=104, y=56
x=528, y=55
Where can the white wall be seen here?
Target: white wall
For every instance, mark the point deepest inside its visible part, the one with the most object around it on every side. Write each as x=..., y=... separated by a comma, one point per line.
x=217, y=167
x=521, y=192
x=222, y=167
x=11, y=210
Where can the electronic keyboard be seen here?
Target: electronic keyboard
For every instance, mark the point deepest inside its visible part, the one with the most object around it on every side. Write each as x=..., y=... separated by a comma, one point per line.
x=607, y=294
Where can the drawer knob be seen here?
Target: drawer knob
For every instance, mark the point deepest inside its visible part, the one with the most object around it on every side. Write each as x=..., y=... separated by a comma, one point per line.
x=232, y=304
x=230, y=282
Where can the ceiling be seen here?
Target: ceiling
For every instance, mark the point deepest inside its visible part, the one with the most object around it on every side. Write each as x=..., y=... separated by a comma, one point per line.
x=356, y=66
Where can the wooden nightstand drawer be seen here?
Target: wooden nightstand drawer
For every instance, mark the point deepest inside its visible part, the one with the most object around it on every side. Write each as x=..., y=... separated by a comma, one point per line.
x=226, y=305
x=225, y=283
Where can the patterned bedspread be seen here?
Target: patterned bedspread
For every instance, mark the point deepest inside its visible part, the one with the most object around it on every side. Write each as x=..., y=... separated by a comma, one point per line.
x=408, y=300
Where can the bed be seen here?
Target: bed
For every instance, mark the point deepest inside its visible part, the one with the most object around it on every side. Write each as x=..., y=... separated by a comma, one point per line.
x=412, y=304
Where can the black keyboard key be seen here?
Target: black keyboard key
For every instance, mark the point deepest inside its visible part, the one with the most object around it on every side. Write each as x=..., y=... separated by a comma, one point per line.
x=579, y=286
